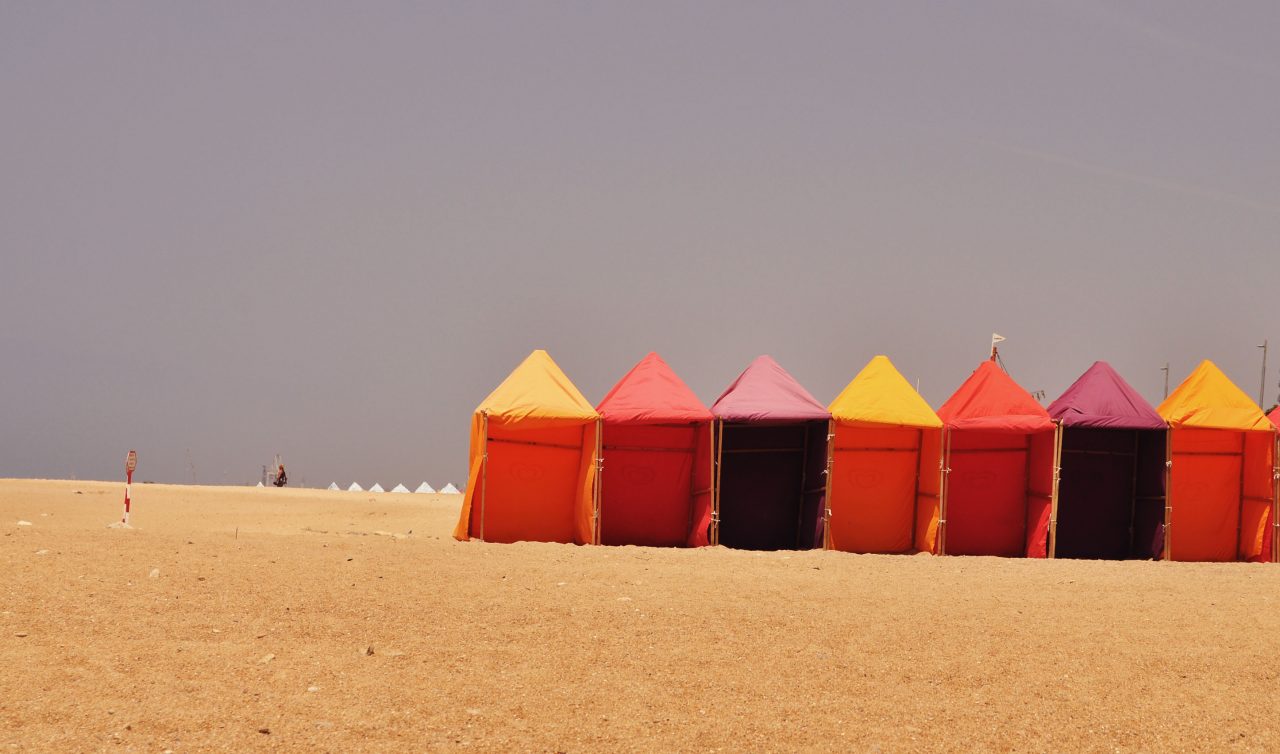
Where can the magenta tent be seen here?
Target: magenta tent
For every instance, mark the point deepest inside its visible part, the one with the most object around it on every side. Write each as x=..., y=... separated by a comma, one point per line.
x=1111, y=484
x=771, y=455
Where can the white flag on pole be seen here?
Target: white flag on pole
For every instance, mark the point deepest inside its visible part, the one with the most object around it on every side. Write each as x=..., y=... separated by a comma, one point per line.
x=996, y=338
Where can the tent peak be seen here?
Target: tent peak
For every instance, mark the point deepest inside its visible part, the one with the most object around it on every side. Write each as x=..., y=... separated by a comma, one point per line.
x=879, y=394
x=1101, y=398
x=537, y=389
x=764, y=391
x=990, y=400
x=652, y=393
x=1208, y=399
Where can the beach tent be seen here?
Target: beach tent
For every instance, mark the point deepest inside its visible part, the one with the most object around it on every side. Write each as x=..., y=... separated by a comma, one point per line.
x=885, y=484
x=424, y=489
x=333, y=486
x=400, y=488
x=1111, y=471
x=771, y=450
x=376, y=488
x=655, y=471
x=1000, y=449
x=449, y=489
x=533, y=460
x=355, y=487
x=1220, y=484
x=260, y=484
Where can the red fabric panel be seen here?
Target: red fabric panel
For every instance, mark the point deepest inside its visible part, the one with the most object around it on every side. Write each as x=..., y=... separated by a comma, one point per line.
x=1039, y=493
x=990, y=401
x=987, y=494
x=651, y=393
x=646, y=485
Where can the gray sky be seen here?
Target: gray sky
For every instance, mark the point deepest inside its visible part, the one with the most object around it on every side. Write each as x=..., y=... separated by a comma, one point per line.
x=329, y=230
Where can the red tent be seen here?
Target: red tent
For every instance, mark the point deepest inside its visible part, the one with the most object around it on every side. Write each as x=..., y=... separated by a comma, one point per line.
x=1001, y=451
x=772, y=455
x=655, y=479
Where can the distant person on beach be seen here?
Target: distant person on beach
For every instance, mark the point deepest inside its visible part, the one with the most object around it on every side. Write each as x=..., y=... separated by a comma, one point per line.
x=281, y=478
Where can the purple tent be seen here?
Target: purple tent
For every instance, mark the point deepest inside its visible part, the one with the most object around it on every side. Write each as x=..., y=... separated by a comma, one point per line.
x=771, y=455
x=1111, y=493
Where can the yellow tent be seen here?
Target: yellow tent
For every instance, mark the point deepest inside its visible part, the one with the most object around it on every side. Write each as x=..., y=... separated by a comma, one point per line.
x=885, y=481
x=1219, y=481
x=533, y=466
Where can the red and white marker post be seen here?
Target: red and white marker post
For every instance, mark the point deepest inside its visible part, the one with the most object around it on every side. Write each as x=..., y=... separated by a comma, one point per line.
x=130, y=463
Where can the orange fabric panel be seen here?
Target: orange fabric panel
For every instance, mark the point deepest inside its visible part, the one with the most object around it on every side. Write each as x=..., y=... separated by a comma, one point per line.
x=873, y=488
x=1205, y=494
x=929, y=500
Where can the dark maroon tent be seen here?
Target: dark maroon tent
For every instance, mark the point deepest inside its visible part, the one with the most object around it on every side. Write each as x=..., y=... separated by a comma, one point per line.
x=1111, y=492
x=771, y=455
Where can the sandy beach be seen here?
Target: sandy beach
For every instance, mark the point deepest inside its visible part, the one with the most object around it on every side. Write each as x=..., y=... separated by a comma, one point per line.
x=239, y=619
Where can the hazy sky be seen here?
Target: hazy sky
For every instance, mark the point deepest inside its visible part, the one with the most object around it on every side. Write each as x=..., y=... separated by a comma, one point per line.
x=329, y=230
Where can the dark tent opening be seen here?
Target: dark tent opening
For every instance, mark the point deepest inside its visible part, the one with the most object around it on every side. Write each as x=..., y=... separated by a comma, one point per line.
x=772, y=485
x=1111, y=494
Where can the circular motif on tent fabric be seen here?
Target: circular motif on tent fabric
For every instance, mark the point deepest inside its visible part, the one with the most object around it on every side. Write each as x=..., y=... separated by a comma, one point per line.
x=979, y=478
x=526, y=472
x=637, y=475
x=867, y=479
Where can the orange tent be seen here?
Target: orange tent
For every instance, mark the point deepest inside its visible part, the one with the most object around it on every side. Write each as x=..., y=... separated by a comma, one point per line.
x=534, y=450
x=885, y=481
x=1221, y=457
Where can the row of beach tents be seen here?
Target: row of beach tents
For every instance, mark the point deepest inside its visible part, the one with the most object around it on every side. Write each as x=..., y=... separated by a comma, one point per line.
x=1100, y=473
x=423, y=488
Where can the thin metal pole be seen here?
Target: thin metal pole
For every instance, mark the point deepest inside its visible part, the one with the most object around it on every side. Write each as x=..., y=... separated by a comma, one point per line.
x=484, y=468
x=826, y=495
x=1057, y=479
x=1262, y=383
x=1165, y=369
x=1168, y=494
x=715, y=507
x=946, y=489
x=597, y=489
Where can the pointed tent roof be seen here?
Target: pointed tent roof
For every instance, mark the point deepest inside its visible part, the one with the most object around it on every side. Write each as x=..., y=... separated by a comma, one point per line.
x=400, y=488
x=425, y=489
x=333, y=485
x=376, y=488
x=1274, y=416
x=879, y=394
x=1101, y=398
x=260, y=484
x=537, y=391
x=651, y=393
x=1208, y=399
x=449, y=489
x=355, y=487
x=991, y=401
x=765, y=392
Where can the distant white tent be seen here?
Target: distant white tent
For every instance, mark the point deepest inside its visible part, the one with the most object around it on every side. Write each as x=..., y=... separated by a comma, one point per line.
x=333, y=485
x=376, y=488
x=425, y=489
x=260, y=484
x=400, y=488
x=449, y=489
x=354, y=488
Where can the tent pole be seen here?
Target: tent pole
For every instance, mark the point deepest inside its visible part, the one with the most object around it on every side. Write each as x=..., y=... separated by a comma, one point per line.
x=1057, y=480
x=915, y=497
x=1168, y=493
x=1275, y=499
x=715, y=506
x=946, y=489
x=597, y=491
x=484, y=468
x=826, y=495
